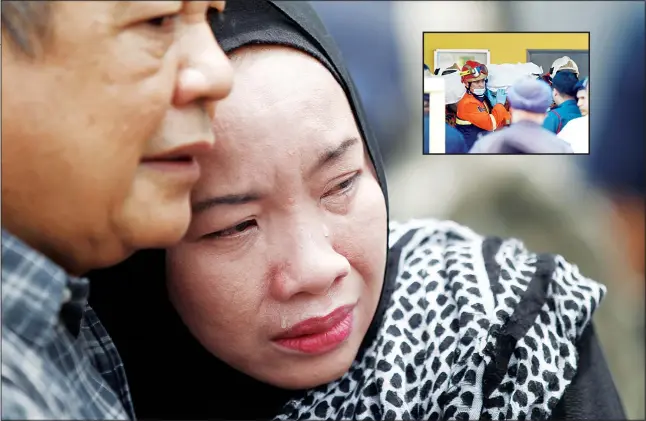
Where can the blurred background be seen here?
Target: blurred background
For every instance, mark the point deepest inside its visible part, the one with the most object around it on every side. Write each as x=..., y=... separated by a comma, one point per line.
x=548, y=201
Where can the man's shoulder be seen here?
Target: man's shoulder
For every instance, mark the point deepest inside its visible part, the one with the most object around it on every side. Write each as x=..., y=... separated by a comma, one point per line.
x=574, y=130
x=552, y=114
x=26, y=373
x=64, y=377
x=577, y=122
x=18, y=405
x=490, y=142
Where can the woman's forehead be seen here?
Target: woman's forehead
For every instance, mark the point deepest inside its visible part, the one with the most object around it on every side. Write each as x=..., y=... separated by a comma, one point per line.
x=275, y=73
x=285, y=110
x=282, y=98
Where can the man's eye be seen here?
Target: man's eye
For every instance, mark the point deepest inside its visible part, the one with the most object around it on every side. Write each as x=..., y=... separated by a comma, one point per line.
x=233, y=231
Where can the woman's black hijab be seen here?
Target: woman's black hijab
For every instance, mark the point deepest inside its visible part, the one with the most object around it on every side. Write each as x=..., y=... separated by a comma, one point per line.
x=171, y=375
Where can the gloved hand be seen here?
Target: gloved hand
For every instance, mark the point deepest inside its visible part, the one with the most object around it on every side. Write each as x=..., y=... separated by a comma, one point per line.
x=490, y=96
x=501, y=96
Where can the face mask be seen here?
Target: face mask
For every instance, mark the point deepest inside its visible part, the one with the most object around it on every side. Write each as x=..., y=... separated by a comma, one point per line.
x=479, y=91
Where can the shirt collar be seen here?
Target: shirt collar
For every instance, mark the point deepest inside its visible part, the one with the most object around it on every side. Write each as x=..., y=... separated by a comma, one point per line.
x=37, y=294
x=568, y=103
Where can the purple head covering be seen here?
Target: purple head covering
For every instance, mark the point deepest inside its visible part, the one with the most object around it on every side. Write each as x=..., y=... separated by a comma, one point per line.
x=530, y=95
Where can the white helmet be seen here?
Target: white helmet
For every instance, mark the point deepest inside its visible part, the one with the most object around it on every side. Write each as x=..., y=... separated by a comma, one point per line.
x=564, y=63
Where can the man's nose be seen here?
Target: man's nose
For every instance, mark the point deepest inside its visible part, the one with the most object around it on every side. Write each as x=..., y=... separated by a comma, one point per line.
x=206, y=74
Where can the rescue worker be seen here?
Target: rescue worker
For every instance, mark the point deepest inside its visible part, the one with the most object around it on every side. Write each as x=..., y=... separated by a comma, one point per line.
x=564, y=63
x=479, y=113
x=564, y=94
x=528, y=100
x=577, y=131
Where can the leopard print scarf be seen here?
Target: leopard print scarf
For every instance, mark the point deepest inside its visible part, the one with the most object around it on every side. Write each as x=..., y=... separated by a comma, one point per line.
x=476, y=328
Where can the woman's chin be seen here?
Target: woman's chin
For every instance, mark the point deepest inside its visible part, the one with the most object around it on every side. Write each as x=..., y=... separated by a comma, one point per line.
x=314, y=378
x=309, y=373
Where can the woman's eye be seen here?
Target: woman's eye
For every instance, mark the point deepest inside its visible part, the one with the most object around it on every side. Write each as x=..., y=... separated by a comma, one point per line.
x=233, y=231
x=344, y=186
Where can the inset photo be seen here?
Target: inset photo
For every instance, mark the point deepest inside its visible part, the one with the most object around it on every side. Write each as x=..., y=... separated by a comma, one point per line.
x=506, y=93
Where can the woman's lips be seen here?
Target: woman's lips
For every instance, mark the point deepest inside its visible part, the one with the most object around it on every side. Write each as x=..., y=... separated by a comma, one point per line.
x=320, y=334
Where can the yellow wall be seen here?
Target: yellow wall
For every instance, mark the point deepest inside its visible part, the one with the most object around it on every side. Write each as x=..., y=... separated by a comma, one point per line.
x=503, y=47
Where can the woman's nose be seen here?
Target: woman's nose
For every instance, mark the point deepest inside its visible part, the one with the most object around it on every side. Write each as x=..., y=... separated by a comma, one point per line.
x=310, y=265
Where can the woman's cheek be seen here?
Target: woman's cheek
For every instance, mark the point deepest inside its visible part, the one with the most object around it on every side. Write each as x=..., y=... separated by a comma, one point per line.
x=361, y=234
x=209, y=290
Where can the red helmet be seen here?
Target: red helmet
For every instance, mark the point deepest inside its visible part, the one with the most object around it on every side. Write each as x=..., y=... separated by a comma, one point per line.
x=473, y=71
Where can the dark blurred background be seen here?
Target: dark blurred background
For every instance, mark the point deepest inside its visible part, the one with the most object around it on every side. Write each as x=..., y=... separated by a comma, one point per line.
x=561, y=204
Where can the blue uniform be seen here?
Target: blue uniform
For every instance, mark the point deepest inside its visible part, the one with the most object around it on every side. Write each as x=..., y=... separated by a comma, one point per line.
x=453, y=139
x=469, y=132
x=559, y=116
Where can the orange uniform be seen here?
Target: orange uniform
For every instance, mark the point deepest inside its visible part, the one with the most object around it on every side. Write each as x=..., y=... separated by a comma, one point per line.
x=477, y=112
x=474, y=118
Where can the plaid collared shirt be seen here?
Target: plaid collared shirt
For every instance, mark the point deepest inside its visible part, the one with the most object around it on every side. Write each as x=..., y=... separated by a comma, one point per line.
x=58, y=362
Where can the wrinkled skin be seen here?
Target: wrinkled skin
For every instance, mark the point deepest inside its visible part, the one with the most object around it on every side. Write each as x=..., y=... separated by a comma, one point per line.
x=116, y=82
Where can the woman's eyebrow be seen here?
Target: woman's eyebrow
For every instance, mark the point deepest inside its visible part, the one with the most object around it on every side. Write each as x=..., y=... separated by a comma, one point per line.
x=334, y=154
x=325, y=158
x=229, y=199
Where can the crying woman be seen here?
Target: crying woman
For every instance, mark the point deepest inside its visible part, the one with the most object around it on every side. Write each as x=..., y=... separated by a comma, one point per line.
x=292, y=296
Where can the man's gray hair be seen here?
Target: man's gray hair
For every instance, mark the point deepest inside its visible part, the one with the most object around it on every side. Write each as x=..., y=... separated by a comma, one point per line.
x=26, y=24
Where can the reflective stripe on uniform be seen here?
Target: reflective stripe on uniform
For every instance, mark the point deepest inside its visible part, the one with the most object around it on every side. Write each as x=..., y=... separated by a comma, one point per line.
x=461, y=122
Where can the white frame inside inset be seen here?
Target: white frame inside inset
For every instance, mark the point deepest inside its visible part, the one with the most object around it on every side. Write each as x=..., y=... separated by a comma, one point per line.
x=437, y=53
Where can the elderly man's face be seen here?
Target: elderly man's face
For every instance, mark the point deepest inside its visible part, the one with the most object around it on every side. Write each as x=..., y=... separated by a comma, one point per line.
x=90, y=126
